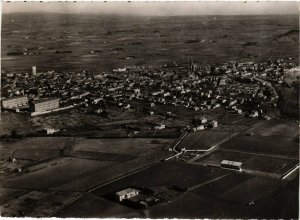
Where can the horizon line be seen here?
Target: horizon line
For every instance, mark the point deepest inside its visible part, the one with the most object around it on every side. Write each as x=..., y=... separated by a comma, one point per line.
x=145, y=15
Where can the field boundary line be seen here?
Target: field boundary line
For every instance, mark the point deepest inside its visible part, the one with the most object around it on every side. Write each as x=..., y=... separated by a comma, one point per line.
x=259, y=154
x=207, y=182
x=291, y=172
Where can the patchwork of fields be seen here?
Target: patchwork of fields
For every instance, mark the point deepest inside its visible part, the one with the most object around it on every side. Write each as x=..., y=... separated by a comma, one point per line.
x=34, y=169
x=71, y=177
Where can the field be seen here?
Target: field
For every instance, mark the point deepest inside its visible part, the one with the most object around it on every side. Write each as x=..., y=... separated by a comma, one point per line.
x=203, y=140
x=127, y=146
x=19, y=122
x=275, y=165
x=211, y=192
x=216, y=157
x=251, y=162
x=239, y=188
x=227, y=197
x=34, y=149
x=277, y=137
x=182, y=175
x=56, y=175
x=270, y=148
x=92, y=206
x=217, y=188
x=273, y=145
x=280, y=128
x=7, y=194
x=37, y=203
x=35, y=154
x=196, y=206
x=45, y=159
x=279, y=204
x=142, y=40
x=250, y=190
x=63, y=166
x=179, y=174
x=38, y=143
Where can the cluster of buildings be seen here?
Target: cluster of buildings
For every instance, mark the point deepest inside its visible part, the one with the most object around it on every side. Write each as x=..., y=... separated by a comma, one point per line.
x=240, y=87
x=145, y=198
x=20, y=103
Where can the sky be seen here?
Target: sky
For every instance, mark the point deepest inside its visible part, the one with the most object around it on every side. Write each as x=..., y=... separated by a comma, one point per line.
x=156, y=8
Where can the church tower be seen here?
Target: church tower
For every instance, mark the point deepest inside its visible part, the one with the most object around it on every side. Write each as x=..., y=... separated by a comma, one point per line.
x=191, y=67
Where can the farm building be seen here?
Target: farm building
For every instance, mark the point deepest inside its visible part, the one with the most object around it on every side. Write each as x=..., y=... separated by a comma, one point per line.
x=127, y=194
x=233, y=165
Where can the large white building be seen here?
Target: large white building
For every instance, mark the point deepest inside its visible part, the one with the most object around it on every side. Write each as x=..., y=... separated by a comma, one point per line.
x=15, y=102
x=45, y=105
x=127, y=194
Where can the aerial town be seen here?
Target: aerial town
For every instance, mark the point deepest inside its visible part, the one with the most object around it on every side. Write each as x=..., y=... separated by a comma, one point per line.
x=244, y=88
x=150, y=110
x=192, y=114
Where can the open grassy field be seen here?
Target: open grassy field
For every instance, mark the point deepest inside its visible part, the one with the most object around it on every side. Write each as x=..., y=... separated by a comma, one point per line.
x=36, y=203
x=219, y=187
x=87, y=165
x=56, y=175
x=119, y=170
x=203, y=140
x=224, y=198
x=179, y=174
x=38, y=143
x=35, y=154
x=270, y=164
x=127, y=146
x=216, y=157
x=196, y=206
x=227, y=197
x=103, y=156
x=250, y=190
x=92, y=206
x=279, y=204
x=274, y=145
x=34, y=149
x=8, y=194
x=280, y=128
x=270, y=200
x=19, y=122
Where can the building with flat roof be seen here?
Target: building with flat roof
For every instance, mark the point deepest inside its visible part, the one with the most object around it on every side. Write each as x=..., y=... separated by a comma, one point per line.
x=232, y=165
x=45, y=105
x=127, y=194
x=15, y=102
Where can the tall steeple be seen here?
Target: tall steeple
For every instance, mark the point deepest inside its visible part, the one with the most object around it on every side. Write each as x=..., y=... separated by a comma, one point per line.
x=191, y=67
